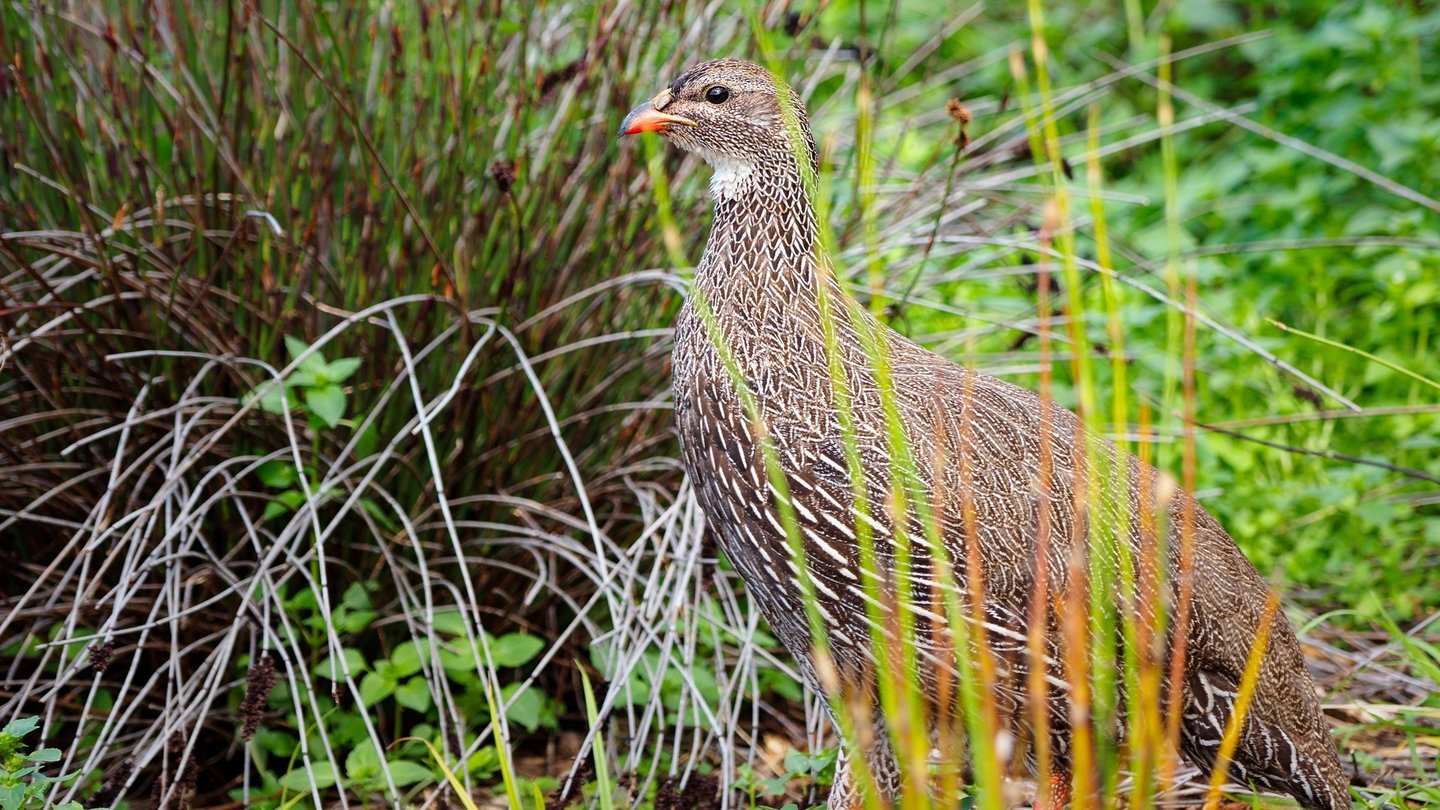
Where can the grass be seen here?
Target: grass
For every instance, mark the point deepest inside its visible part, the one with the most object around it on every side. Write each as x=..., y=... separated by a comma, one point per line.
x=436, y=202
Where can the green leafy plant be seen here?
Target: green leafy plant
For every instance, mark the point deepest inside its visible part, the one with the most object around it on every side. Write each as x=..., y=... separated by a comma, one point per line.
x=315, y=386
x=390, y=684
x=801, y=771
x=22, y=781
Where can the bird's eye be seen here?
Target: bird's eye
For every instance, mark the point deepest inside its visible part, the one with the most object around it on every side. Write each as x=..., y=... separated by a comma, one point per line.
x=717, y=95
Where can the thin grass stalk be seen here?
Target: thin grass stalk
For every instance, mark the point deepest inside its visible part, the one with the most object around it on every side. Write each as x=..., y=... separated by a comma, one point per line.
x=860, y=713
x=907, y=497
x=664, y=207
x=978, y=679
x=1154, y=492
x=1135, y=25
x=1180, y=343
x=1037, y=691
x=949, y=642
x=891, y=623
x=858, y=716
x=441, y=264
x=823, y=660
x=455, y=785
x=854, y=715
x=910, y=742
x=1335, y=344
x=605, y=790
x=1097, y=533
x=901, y=693
x=865, y=183
x=1246, y=691
x=1136, y=611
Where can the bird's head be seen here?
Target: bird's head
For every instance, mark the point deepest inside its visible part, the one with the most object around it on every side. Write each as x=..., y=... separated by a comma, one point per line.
x=733, y=114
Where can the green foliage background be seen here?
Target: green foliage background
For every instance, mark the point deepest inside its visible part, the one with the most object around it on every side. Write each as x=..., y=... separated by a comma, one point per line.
x=1272, y=233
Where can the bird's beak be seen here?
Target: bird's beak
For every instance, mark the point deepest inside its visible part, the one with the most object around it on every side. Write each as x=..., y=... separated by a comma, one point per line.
x=647, y=118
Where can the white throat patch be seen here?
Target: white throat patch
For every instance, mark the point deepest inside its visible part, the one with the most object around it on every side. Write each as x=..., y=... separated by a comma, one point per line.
x=733, y=177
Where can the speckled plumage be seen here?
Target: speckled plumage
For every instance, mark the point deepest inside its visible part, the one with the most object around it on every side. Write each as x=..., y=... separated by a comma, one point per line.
x=976, y=439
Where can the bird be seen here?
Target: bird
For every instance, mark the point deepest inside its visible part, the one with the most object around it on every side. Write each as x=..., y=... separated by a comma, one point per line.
x=787, y=395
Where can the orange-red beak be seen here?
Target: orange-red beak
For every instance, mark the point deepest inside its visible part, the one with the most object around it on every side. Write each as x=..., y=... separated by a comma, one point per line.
x=646, y=118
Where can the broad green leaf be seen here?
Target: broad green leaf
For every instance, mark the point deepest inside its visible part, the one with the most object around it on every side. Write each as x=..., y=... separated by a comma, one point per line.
x=299, y=780
x=347, y=728
x=356, y=596
x=303, y=379
x=330, y=669
x=375, y=687
x=276, y=398
x=19, y=728
x=406, y=658
x=297, y=347
x=327, y=402
x=368, y=441
x=363, y=762
x=304, y=600
x=378, y=513
x=602, y=657
x=515, y=649
x=484, y=763
x=706, y=685
x=457, y=658
x=356, y=620
x=450, y=621
x=527, y=709
x=276, y=474
x=283, y=503
x=340, y=370
x=275, y=742
x=414, y=694
x=405, y=772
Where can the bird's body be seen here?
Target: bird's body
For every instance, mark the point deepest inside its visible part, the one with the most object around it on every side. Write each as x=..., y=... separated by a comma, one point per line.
x=756, y=329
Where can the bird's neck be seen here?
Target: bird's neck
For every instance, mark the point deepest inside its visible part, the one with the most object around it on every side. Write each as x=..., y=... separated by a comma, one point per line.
x=764, y=253
x=773, y=299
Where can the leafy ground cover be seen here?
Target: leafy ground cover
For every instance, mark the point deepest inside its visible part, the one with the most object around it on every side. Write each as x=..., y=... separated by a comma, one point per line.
x=333, y=375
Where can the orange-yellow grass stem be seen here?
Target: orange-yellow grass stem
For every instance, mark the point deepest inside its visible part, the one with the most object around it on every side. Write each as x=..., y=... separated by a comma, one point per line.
x=1236, y=722
x=1180, y=646
x=1037, y=692
x=951, y=751
x=1075, y=630
x=1146, y=720
x=1186, y=572
x=975, y=588
x=1037, y=689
